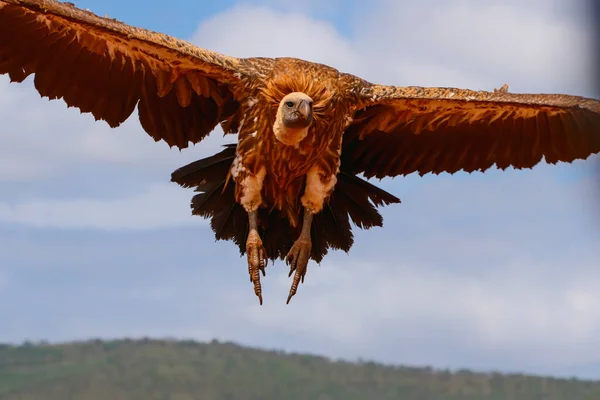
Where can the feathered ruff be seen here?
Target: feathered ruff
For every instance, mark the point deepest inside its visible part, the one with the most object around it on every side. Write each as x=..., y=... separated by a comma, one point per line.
x=353, y=199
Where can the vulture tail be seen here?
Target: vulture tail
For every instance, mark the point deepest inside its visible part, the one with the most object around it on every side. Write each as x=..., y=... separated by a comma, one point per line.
x=205, y=171
x=353, y=200
x=215, y=198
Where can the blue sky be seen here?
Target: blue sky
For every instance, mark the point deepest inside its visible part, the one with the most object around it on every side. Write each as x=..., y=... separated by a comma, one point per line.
x=486, y=271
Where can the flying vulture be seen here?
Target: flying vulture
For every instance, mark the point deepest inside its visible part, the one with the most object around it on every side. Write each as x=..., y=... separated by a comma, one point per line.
x=308, y=136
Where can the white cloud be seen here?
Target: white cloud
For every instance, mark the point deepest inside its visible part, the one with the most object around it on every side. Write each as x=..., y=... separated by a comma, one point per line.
x=464, y=44
x=356, y=302
x=159, y=206
x=42, y=139
x=262, y=32
x=474, y=44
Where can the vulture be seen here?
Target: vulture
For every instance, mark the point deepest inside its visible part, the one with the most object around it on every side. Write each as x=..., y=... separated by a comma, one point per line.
x=309, y=137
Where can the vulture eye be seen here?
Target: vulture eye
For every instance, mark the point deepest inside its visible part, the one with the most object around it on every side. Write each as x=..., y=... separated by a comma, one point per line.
x=289, y=104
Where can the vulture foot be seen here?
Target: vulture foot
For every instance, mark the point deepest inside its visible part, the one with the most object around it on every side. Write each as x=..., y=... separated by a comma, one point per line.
x=297, y=259
x=256, y=261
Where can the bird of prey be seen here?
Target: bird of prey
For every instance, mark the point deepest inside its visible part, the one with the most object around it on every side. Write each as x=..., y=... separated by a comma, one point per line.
x=309, y=137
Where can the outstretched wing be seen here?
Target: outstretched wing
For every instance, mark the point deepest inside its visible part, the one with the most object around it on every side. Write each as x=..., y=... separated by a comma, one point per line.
x=106, y=67
x=401, y=130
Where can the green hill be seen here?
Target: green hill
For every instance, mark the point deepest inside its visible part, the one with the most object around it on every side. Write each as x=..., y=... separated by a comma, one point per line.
x=182, y=370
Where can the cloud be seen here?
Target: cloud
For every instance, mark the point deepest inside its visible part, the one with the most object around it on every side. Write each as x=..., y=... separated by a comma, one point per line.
x=477, y=45
x=486, y=315
x=262, y=32
x=159, y=206
x=49, y=139
x=514, y=43
x=469, y=316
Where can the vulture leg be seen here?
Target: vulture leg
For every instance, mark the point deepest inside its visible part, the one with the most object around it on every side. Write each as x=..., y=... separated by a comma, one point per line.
x=298, y=256
x=256, y=254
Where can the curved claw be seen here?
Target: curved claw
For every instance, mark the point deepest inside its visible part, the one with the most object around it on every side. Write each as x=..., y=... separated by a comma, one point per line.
x=256, y=261
x=297, y=258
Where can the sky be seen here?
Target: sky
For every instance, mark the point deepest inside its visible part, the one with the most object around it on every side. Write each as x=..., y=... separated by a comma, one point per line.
x=488, y=271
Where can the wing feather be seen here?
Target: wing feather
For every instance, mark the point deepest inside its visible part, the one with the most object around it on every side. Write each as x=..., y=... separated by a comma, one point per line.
x=402, y=130
x=107, y=68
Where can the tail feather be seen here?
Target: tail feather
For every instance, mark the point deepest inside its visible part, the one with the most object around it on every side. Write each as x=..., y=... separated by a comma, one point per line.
x=377, y=195
x=331, y=230
x=357, y=206
x=276, y=232
x=231, y=224
x=228, y=219
x=206, y=170
x=353, y=199
x=208, y=202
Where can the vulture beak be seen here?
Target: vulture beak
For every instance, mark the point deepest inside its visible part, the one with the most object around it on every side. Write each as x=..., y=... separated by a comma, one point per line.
x=305, y=109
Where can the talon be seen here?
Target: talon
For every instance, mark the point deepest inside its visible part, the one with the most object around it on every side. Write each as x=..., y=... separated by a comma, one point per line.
x=256, y=261
x=264, y=261
x=297, y=258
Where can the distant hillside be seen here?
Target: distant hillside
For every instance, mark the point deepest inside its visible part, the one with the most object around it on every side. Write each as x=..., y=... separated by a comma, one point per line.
x=152, y=369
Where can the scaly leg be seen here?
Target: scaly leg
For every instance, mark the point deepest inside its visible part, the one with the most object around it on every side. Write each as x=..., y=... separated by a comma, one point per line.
x=298, y=256
x=319, y=186
x=256, y=254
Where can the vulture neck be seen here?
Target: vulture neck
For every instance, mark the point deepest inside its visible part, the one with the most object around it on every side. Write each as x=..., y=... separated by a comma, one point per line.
x=289, y=136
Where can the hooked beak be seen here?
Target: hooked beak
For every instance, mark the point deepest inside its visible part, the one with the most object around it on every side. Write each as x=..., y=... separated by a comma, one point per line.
x=305, y=109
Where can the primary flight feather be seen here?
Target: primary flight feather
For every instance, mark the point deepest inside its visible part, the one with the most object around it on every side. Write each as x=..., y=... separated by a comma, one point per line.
x=289, y=187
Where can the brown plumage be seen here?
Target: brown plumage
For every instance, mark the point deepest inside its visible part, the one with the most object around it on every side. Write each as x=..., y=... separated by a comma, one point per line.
x=289, y=187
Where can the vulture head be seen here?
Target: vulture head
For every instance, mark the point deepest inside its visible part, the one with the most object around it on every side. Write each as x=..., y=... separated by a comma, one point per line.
x=294, y=117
